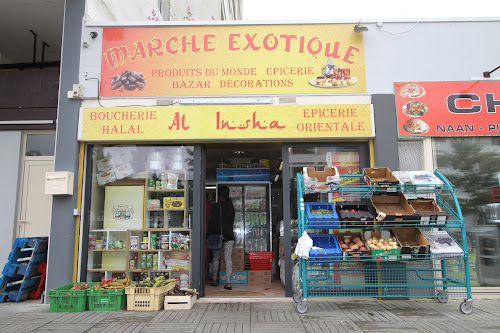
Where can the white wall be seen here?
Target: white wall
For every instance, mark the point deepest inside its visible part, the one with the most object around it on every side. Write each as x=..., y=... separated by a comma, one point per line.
x=429, y=51
x=10, y=152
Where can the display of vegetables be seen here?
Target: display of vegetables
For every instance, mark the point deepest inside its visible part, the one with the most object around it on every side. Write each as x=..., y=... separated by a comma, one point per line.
x=115, y=283
x=352, y=244
x=154, y=282
x=382, y=243
x=321, y=211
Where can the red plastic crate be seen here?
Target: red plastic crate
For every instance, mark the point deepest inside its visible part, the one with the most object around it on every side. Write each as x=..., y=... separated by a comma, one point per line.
x=260, y=261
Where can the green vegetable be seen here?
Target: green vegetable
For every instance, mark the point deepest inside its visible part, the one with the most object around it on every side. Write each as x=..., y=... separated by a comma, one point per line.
x=321, y=211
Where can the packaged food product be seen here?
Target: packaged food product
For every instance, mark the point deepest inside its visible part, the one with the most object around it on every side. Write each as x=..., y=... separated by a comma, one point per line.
x=172, y=179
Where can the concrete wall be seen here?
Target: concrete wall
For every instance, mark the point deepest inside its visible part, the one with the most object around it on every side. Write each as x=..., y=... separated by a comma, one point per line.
x=10, y=166
x=62, y=231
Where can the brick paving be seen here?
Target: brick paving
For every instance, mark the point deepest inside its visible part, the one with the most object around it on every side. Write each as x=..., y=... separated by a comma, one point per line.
x=251, y=317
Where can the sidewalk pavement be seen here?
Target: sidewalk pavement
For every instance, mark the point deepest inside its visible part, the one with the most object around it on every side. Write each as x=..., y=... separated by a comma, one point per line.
x=341, y=315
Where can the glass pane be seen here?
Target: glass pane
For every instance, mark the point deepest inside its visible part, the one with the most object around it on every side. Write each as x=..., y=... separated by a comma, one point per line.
x=235, y=193
x=473, y=166
x=136, y=187
x=346, y=159
x=40, y=144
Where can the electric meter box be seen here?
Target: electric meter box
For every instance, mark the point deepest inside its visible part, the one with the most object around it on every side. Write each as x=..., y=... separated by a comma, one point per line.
x=59, y=183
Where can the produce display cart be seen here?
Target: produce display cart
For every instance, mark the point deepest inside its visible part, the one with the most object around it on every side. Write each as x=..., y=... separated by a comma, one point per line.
x=402, y=273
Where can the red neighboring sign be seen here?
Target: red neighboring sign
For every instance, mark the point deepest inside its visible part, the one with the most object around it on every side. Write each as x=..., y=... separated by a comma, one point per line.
x=448, y=108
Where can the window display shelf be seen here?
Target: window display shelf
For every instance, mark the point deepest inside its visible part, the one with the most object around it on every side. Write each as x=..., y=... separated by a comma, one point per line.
x=166, y=199
x=106, y=250
x=154, y=258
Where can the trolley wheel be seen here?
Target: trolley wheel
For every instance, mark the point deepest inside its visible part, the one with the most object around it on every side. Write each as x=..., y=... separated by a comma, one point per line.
x=442, y=296
x=466, y=307
x=302, y=307
x=297, y=297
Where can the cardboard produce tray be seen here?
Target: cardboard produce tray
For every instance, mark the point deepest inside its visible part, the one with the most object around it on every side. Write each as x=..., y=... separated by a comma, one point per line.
x=413, y=244
x=394, y=208
x=429, y=211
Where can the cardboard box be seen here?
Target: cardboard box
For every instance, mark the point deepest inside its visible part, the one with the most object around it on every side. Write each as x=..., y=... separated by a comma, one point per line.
x=123, y=171
x=259, y=277
x=382, y=177
x=381, y=255
x=413, y=244
x=354, y=254
x=429, y=212
x=442, y=244
x=238, y=258
x=415, y=182
x=106, y=177
x=236, y=277
x=393, y=208
x=326, y=180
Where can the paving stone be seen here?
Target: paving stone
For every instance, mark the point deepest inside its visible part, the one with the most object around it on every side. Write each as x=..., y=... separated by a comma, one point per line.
x=331, y=327
x=273, y=306
x=228, y=307
x=19, y=327
x=334, y=315
x=64, y=328
x=169, y=327
x=117, y=328
x=273, y=327
x=181, y=316
x=386, y=327
x=226, y=316
x=275, y=316
x=225, y=327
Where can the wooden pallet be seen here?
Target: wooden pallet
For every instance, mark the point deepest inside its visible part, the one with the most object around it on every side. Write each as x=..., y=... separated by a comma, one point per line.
x=179, y=302
x=22, y=273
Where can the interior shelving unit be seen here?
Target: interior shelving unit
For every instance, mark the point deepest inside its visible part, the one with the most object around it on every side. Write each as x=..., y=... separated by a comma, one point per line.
x=112, y=252
x=428, y=275
x=170, y=188
x=169, y=248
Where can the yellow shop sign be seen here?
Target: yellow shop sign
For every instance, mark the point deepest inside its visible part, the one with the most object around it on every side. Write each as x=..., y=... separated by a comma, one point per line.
x=229, y=122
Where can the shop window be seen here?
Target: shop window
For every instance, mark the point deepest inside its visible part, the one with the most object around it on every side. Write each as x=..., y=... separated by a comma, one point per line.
x=345, y=158
x=473, y=166
x=134, y=190
x=40, y=144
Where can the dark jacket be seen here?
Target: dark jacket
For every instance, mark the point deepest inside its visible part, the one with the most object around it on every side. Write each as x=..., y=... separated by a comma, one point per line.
x=226, y=210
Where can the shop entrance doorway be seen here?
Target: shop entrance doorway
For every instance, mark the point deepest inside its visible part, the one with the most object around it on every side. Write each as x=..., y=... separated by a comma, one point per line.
x=252, y=173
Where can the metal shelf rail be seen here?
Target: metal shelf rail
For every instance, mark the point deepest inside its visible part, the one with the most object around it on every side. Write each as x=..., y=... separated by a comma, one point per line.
x=422, y=276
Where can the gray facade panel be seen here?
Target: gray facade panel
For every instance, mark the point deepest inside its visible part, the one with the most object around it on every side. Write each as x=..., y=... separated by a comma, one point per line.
x=10, y=166
x=386, y=133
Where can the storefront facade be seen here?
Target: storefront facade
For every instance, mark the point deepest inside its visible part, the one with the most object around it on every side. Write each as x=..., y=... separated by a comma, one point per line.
x=262, y=84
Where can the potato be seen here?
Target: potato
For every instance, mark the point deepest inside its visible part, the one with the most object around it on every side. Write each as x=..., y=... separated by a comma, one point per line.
x=344, y=246
x=354, y=247
x=363, y=248
x=357, y=239
x=347, y=240
x=360, y=244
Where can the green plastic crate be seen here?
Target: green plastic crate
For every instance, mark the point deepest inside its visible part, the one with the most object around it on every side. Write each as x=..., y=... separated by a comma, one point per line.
x=62, y=299
x=106, y=299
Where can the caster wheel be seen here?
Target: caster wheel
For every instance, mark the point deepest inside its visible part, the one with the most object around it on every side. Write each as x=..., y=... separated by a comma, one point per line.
x=301, y=307
x=466, y=307
x=442, y=296
x=297, y=297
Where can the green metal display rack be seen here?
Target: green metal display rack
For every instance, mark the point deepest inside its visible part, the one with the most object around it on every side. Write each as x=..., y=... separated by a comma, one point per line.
x=423, y=276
